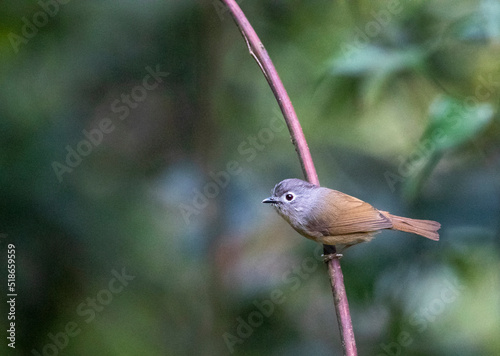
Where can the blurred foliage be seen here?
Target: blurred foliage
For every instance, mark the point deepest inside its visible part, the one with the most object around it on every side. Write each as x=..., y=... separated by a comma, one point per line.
x=164, y=175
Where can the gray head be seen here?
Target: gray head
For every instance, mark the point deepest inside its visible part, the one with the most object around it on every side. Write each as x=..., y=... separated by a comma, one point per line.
x=292, y=199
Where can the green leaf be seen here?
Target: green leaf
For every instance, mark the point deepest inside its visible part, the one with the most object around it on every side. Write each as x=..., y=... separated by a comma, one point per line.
x=369, y=58
x=376, y=65
x=454, y=122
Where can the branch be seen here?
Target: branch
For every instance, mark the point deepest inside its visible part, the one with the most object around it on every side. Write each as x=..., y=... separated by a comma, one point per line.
x=259, y=53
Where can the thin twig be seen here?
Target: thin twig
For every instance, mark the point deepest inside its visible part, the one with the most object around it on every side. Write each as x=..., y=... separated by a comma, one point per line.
x=259, y=53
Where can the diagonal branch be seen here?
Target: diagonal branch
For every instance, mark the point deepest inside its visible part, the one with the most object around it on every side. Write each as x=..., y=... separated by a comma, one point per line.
x=257, y=50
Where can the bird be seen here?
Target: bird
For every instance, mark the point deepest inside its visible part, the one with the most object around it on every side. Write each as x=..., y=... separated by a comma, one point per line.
x=331, y=217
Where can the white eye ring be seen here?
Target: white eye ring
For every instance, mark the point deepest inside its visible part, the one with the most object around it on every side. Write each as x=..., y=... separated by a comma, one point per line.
x=289, y=197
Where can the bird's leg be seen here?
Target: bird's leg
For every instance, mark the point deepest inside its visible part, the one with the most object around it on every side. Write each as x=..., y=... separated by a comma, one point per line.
x=331, y=256
x=328, y=253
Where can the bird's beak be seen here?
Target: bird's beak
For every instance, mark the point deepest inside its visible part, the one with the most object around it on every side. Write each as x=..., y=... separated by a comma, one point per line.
x=270, y=200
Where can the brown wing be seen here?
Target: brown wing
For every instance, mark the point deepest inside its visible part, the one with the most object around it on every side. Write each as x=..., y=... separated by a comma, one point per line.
x=348, y=215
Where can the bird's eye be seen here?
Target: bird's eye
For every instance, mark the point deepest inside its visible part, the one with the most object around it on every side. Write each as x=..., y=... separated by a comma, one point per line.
x=289, y=197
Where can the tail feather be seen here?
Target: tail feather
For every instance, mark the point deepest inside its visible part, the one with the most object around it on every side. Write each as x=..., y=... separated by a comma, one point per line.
x=425, y=228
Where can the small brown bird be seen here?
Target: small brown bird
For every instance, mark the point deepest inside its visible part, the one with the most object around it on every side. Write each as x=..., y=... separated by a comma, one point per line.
x=334, y=218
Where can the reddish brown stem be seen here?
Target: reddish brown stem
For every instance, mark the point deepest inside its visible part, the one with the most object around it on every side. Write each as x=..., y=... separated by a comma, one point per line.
x=257, y=50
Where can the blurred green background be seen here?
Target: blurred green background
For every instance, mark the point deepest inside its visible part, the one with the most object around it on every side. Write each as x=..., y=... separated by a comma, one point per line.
x=107, y=169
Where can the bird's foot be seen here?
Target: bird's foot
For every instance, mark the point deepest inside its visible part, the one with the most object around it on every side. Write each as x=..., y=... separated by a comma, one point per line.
x=331, y=256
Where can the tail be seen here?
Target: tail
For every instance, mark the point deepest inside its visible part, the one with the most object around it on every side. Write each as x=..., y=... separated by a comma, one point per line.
x=425, y=228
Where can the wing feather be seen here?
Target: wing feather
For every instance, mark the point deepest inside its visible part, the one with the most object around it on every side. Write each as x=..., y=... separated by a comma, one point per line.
x=347, y=215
